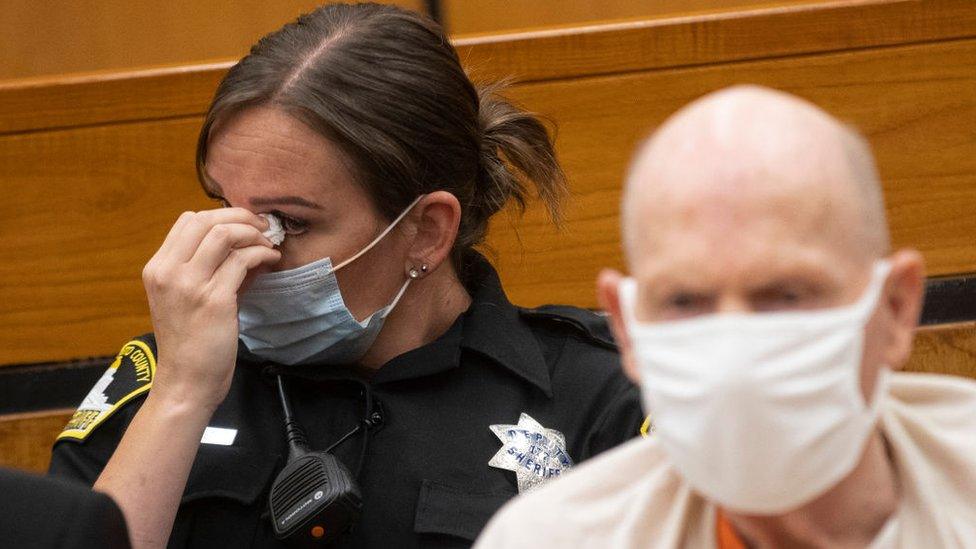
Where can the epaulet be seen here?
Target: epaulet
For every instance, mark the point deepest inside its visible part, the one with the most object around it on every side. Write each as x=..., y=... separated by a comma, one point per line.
x=131, y=374
x=592, y=325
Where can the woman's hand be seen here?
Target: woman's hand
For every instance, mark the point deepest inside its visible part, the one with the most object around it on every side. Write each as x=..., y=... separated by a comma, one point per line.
x=192, y=284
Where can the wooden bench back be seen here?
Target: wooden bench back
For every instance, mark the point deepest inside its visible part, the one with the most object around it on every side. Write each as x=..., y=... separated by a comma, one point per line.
x=95, y=169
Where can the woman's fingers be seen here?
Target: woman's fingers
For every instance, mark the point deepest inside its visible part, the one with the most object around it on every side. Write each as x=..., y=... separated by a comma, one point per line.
x=230, y=275
x=174, y=234
x=199, y=224
x=219, y=242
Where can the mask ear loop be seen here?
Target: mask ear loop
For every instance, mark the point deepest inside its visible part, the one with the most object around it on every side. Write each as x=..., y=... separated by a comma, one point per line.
x=385, y=232
x=871, y=296
x=403, y=290
x=865, y=307
x=627, y=295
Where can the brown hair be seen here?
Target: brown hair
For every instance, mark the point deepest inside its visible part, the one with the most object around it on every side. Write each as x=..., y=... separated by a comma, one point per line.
x=385, y=85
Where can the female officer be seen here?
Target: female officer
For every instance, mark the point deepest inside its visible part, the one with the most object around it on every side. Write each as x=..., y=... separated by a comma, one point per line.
x=375, y=319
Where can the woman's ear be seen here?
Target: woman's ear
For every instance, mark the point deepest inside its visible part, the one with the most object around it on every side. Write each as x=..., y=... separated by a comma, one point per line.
x=903, y=297
x=435, y=221
x=608, y=297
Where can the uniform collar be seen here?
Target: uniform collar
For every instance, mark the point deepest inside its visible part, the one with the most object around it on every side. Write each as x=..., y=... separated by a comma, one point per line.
x=491, y=327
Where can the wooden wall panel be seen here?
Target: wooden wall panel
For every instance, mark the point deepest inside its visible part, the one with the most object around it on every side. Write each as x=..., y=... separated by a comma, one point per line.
x=81, y=229
x=947, y=349
x=95, y=35
x=464, y=17
x=26, y=439
x=64, y=36
x=917, y=105
x=52, y=103
x=96, y=168
x=87, y=222
x=721, y=38
x=67, y=101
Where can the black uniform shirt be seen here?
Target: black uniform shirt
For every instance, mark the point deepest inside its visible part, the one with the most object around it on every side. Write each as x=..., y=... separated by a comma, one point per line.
x=424, y=469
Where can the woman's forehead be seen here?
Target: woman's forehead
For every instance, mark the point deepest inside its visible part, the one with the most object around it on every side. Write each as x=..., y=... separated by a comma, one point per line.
x=264, y=150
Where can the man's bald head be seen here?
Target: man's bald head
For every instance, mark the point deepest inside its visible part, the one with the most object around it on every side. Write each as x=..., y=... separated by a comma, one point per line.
x=751, y=201
x=748, y=151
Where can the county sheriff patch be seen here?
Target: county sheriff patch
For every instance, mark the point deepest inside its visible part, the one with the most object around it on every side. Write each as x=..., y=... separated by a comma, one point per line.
x=130, y=375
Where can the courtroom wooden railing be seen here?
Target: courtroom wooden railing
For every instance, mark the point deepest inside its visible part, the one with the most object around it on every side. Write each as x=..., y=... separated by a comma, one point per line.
x=96, y=168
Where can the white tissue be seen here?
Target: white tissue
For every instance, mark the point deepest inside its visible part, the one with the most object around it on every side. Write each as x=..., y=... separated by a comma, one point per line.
x=275, y=232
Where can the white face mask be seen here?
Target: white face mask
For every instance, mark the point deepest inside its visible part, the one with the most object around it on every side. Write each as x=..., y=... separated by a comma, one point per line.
x=761, y=413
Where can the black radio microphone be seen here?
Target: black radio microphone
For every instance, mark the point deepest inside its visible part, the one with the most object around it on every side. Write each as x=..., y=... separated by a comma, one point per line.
x=314, y=498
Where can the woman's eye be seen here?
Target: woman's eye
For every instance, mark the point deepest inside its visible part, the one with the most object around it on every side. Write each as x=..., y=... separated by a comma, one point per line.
x=291, y=225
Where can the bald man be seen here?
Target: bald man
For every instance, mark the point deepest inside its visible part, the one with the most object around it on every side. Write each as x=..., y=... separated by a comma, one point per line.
x=766, y=320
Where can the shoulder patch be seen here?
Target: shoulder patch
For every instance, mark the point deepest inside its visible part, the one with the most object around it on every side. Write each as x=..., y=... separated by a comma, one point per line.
x=592, y=325
x=130, y=375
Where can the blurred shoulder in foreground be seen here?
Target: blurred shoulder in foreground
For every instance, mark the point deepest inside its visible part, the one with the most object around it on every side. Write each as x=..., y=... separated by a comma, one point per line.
x=45, y=512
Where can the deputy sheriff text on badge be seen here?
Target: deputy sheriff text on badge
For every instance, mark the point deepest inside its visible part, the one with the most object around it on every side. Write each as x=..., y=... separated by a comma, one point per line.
x=534, y=453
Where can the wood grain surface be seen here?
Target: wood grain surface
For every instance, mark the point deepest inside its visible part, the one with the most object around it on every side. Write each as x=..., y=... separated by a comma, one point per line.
x=96, y=167
x=64, y=36
x=947, y=349
x=113, y=96
x=26, y=439
x=38, y=104
x=916, y=104
x=733, y=35
x=84, y=210
x=88, y=199
x=100, y=35
x=470, y=17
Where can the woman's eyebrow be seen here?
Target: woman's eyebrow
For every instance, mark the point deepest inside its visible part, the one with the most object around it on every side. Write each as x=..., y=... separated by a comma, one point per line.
x=284, y=200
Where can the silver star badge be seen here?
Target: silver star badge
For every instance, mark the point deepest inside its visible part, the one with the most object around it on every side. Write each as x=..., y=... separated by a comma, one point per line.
x=534, y=453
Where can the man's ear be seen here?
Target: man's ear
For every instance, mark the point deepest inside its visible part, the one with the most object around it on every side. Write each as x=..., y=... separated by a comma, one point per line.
x=434, y=228
x=608, y=296
x=903, y=297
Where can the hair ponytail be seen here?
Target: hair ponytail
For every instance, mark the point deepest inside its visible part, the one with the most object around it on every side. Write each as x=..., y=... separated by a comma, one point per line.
x=516, y=149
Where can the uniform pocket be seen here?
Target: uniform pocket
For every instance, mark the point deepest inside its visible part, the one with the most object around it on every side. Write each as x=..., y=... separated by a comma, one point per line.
x=447, y=510
x=222, y=505
x=229, y=472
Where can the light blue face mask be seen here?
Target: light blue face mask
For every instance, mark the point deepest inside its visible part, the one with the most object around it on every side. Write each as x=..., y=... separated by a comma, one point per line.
x=298, y=316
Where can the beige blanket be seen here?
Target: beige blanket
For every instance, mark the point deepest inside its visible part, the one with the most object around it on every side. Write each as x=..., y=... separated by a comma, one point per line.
x=632, y=497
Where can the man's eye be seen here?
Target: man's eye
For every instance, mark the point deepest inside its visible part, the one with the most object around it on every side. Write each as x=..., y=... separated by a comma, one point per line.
x=682, y=301
x=685, y=302
x=776, y=299
x=790, y=296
